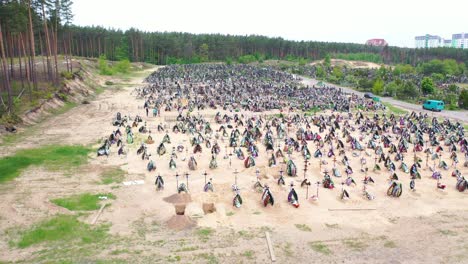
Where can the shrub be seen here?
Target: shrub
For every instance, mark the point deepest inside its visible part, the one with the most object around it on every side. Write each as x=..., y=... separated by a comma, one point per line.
x=246, y=59
x=463, y=99
x=104, y=68
x=67, y=75
x=122, y=66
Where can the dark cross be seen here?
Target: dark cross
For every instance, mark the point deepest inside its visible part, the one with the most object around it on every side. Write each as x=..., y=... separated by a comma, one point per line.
x=257, y=172
x=427, y=159
x=235, y=173
x=305, y=168
x=186, y=177
x=230, y=159
x=281, y=172
x=205, y=176
x=334, y=161
x=317, y=183
x=177, y=180
x=375, y=160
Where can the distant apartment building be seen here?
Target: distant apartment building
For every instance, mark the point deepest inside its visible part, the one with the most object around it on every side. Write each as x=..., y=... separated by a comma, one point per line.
x=433, y=41
x=428, y=41
x=377, y=42
x=447, y=43
x=460, y=40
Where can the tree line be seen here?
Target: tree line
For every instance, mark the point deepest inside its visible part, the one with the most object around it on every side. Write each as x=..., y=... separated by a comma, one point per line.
x=176, y=47
x=38, y=40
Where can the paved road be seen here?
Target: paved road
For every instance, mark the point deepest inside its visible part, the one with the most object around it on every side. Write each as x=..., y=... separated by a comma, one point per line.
x=461, y=115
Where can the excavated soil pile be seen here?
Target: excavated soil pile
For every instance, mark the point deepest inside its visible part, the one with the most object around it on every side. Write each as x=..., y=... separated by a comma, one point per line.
x=209, y=208
x=179, y=198
x=180, y=222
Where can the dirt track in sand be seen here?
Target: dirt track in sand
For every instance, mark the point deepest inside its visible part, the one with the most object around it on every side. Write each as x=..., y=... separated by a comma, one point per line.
x=410, y=229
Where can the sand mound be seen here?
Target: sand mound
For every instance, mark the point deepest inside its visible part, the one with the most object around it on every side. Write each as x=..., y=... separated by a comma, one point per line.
x=179, y=198
x=209, y=208
x=180, y=209
x=179, y=222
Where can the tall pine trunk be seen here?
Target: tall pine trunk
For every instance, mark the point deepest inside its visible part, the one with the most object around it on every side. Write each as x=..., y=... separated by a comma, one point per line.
x=32, y=48
x=6, y=78
x=47, y=43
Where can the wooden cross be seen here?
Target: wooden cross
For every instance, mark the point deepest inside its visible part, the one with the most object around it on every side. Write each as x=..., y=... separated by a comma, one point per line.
x=177, y=181
x=235, y=173
x=317, y=183
x=427, y=159
x=186, y=177
x=205, y=176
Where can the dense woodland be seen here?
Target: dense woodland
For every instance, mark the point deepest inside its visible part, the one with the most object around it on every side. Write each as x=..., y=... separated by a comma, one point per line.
x=38, y=40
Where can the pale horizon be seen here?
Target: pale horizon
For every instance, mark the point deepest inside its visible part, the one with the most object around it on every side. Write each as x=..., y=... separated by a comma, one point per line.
x=397, y=22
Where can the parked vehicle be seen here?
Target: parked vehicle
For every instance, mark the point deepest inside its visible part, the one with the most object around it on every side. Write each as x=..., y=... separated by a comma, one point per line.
x=433, y=105
x=368, y=95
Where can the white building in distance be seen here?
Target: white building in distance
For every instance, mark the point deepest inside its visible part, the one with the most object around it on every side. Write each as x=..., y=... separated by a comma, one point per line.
x=459, y=41
x=428, y=41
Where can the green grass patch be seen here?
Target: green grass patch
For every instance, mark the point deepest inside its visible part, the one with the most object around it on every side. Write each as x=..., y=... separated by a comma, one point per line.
x=448, y=232
x=120, y=251
x=248, y=254
x=173, y=258
x=246, y=234
x=287, y=250
x=82, y=202
x=113, y=175
x=63, y=228
x=312, y=111
x=65, y=108
x=52, y=157
x=355, y=244
x=394, y=109
x=204, y=234
x=303, y=227
x=389, y=244
x=333, y=226
x=185, y=249
x=230, y=213
x=210, y=258
x=320, y=248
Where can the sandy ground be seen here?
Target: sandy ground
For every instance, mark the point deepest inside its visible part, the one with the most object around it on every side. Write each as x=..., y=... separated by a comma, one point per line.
x=351, y=64
x=425, y=226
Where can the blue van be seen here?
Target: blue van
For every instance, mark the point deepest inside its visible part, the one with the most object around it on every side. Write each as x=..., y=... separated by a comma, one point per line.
x=433, y=105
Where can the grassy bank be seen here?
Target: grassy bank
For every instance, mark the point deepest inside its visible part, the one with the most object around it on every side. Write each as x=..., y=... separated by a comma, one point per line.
x=82, y=202
x=52, y=157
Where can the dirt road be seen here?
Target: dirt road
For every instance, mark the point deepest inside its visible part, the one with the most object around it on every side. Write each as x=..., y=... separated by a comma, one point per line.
x=461, y=115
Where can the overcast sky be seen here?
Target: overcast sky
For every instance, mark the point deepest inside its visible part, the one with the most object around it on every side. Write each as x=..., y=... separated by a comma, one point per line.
x=397, y=21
